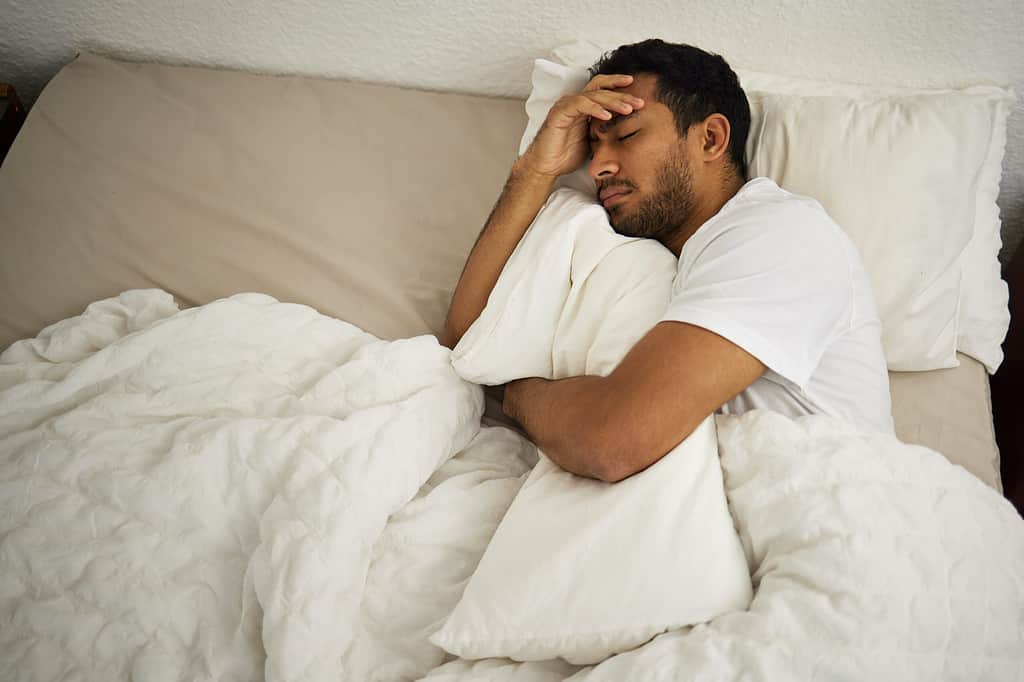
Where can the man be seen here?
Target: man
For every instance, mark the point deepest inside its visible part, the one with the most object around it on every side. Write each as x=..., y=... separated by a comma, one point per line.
x=771, y=307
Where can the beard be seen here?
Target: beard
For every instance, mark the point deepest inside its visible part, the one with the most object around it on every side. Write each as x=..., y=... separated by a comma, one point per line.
x=661, y=214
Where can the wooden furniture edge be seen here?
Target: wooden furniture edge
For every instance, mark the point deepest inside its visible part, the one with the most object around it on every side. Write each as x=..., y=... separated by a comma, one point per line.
x=11, y=120
x=1008, y=390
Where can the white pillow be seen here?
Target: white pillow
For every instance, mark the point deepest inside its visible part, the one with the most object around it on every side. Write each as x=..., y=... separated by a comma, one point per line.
x=984, y=296
x=573, y=297
x=900, y=179
x=953, y=143
x=550, y=82
x=935, y=296
x=579, y=568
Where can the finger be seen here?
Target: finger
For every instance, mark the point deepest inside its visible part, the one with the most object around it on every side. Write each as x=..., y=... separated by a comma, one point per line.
x=608, y=80
x=585, y=106
x=576, y=106
x=618, y=102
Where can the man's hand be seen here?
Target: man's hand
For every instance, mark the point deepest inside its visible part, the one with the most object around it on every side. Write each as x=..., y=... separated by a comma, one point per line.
x=530, y=401
x=560, y=147
x=561, y=143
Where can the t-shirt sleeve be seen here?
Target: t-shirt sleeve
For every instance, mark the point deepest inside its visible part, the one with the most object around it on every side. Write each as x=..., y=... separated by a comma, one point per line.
x=778, y=285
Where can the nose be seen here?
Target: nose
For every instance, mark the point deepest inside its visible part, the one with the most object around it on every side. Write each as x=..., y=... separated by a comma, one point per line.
x=603, y=165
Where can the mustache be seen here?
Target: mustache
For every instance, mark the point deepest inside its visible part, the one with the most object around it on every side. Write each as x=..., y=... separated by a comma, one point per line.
x=601, y=188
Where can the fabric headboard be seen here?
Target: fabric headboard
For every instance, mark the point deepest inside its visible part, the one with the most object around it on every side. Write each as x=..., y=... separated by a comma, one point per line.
x=359, y=200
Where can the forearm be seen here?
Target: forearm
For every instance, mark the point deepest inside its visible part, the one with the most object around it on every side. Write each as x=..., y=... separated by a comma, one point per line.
x=519, y=203
x=568, y=419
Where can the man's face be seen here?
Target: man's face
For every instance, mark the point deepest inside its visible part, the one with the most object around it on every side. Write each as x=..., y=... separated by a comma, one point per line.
x=642, y=154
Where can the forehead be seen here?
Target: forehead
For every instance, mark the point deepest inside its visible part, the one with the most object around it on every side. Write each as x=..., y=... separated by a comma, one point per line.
x=643, y=86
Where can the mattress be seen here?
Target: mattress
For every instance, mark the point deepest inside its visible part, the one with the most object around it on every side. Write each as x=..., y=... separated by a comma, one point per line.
x=949, y=410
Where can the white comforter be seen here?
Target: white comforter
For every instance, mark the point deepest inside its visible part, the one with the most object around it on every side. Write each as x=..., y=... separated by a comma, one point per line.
x=250, y=489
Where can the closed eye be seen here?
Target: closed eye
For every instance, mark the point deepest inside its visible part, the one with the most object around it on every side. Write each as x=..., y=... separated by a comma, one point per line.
x=592, y=139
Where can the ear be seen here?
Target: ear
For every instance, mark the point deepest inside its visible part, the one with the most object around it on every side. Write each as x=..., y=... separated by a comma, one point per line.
x=715, y=132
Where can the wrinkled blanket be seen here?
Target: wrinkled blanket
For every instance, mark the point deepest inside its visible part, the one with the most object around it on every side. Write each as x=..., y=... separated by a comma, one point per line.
x=871, y=560
x=251, y=490
x=199, y=494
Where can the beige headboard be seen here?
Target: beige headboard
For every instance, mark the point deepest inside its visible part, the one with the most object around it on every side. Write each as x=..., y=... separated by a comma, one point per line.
x=359, y=200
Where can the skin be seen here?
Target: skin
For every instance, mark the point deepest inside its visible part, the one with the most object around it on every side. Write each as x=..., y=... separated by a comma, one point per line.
x=610, y=428
x=675, y=183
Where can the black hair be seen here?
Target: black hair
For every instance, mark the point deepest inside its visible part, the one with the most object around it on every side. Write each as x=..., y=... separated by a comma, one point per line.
x=692, y=83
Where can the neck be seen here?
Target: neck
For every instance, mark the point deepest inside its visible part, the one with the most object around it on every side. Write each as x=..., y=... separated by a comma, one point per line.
x=707, y=205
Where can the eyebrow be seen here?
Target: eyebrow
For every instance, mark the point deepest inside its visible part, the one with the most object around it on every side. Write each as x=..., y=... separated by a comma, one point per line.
x=605, y=126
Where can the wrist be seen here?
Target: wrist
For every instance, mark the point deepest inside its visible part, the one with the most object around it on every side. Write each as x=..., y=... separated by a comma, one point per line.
x=512, y=399
x=524, y=170
x=508, y=399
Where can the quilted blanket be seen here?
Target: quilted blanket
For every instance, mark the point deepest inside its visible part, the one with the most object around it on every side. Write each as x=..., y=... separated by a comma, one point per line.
x=251, y=490
x=199, y=494
x=871, y=560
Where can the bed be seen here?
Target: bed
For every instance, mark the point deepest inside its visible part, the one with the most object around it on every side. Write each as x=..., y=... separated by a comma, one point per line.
x=176, y=239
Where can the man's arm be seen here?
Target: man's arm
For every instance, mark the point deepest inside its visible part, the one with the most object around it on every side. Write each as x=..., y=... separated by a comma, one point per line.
x=521, y=200
x=612, y=427
x=560, y=147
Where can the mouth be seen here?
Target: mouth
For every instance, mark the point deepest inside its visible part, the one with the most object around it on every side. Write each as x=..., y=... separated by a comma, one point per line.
x=613, y=198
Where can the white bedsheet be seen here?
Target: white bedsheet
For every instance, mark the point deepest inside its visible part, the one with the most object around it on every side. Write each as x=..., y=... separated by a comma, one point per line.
x=250, y=489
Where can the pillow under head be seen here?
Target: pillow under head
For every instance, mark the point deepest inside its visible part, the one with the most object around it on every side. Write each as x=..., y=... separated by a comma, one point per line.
x=911, y=175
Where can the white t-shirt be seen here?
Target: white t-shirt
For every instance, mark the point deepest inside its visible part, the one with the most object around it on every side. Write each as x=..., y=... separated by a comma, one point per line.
x=774, y=274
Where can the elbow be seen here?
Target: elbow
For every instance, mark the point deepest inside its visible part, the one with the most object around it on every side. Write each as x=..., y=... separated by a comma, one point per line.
x=455, y=327
x=450, y=336
x=614, y=476
x=617, y=467
x=621, y=463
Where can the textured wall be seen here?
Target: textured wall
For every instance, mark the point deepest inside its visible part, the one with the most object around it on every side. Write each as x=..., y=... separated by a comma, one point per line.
x=487, y=46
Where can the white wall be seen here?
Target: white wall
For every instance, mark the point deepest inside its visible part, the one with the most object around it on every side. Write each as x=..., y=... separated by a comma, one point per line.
x=487, y=46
